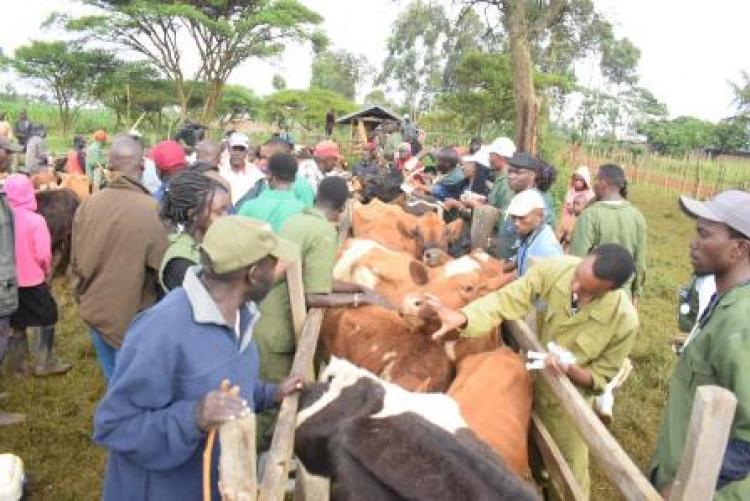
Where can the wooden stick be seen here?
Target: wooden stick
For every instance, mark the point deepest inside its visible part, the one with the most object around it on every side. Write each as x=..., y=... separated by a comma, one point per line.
x=706, y=441
x=296, y=297
x=554, y=462
x=615, y=462
x=237, y=468
x=282, y=446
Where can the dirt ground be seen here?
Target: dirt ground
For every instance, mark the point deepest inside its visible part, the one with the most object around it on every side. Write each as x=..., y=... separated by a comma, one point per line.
x=63, y=464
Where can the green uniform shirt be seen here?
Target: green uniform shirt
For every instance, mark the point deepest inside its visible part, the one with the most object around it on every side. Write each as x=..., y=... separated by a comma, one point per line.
x=273, y=207
x=181, y=245
x=717, y=355
x=619, y=223
x=500, y=194
x=94, y=158
x=274, y=333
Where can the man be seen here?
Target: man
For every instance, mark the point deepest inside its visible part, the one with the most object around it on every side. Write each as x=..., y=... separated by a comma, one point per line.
x=410, y=133
x=583, y=311
x=209, y=151
x=36, y=151
x=240, y=173
x=164, y=395
x=117, y=247
x=367, y=165
x=95, y=160
x=451, y=181
x=301, y=188
x=169, y=159
x=718, y=349
x=7, y=150
x=500, y=150
x=612, y=219
x=22, y=128
x=475, y=144
x=330, y=122
x=275, y=204
x=326, y=161
x=537, y=238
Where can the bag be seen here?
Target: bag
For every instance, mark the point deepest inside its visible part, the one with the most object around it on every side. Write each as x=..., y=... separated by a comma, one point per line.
x=8, y=282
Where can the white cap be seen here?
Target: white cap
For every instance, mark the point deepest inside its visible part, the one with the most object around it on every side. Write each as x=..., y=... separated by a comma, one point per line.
x=502, y=146
x=239, y=139
x=482, y=156
x=406, y=116
x=525, y=202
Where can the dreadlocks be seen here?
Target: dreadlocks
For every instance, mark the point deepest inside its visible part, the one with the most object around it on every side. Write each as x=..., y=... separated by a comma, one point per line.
x=187, y=196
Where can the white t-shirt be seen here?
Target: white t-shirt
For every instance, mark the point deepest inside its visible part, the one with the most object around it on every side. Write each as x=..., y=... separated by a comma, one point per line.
x=240, y=181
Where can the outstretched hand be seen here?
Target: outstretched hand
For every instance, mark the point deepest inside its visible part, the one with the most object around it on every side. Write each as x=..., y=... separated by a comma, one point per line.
x=450, y=319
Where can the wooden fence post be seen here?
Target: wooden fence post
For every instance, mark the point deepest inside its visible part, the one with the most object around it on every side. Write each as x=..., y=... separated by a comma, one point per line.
x=706, y=441
x=237, y=468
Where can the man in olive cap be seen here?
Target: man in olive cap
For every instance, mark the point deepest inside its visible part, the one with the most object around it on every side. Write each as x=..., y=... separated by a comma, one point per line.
x=717, y=350
x=164, y=394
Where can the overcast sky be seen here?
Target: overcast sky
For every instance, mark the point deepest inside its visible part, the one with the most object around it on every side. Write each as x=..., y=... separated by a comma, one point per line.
x=689, y=48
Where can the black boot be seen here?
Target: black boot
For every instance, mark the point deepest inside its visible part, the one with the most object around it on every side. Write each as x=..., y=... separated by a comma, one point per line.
x=46, y=364
x=18, y=353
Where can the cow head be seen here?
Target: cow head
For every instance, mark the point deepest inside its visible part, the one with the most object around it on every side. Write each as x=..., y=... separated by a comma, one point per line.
x=431, y=237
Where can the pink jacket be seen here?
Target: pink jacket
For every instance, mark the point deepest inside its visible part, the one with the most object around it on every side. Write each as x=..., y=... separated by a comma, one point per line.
x=33, y=246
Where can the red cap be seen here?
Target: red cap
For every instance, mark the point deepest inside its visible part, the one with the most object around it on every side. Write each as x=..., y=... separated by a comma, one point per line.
x=370, y=146
x=169, y=156
x=327, y=149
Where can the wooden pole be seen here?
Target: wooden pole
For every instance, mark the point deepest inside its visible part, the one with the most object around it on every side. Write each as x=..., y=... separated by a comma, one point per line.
x=706, y=441
x=616, y=464
x=237, y=468
x=559, y=471
x=279, y=457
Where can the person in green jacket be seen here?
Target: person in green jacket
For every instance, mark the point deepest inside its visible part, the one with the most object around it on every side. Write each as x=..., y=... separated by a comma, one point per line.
x=191, y=203
x=718, y=348
x=582, y=310
x=95, y=159
x=612, y=219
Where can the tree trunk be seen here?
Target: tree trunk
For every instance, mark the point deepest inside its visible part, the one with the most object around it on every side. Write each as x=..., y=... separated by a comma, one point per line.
x=65, y=118
x=527, y=105
x=182, y=99
x=213, y=96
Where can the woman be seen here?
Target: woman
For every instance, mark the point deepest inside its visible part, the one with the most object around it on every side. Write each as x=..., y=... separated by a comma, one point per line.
x=36, y=306
x=579, y=191
x=76, y=163
x=192, y=202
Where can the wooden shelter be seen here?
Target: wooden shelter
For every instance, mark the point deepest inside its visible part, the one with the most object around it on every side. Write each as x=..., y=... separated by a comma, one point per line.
x=364, y=121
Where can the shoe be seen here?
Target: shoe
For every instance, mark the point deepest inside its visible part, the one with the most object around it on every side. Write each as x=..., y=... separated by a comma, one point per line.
x=46, y=363
x=9, y=418
x=53, y=368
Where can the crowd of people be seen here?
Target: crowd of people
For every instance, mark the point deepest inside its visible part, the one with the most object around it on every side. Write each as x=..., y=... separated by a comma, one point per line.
x=178, y=262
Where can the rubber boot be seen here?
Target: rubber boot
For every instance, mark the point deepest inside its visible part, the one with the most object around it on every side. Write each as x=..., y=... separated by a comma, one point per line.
x=46, y=364
x=9, y=418
x=18, y=353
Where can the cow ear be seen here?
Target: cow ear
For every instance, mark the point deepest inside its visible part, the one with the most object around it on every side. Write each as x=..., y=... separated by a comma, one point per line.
x=454, y=229
x=418, y=273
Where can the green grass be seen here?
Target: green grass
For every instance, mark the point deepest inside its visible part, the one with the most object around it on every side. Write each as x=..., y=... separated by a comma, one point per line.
x=63, y=464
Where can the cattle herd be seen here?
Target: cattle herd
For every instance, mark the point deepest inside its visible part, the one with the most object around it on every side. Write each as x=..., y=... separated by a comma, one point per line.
x=400, y=414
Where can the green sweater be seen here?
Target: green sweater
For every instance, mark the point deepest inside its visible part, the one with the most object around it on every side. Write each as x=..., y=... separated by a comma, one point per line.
x=613, y=222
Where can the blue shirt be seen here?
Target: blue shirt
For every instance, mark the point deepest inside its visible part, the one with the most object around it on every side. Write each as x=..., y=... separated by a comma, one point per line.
x=537, y=244
x=173, y=355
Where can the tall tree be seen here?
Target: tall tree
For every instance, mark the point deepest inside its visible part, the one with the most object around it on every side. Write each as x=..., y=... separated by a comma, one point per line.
x=278, y=82
x=225, y=33
x=65, y=70
x=338, y=71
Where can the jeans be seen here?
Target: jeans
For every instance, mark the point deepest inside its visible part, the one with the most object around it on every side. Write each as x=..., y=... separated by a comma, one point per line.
x=105, y=353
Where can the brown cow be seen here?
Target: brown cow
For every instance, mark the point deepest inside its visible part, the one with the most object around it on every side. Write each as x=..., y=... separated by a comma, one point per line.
x=424, y=237
x=78, y=184
x=58, y=208
x=495, y=392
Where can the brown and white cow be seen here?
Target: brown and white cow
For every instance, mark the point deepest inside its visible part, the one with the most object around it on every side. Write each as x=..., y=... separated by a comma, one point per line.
x=424, y=237
x=377, y=441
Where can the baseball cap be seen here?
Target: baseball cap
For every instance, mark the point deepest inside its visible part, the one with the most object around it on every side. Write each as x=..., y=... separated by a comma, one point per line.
x=523, y=160
x=6, y=145
x=502, y=146
x=168, y=156
x=525, y=202
x=731, y=207
x=236, y=242
x=481, y=156
x=239, y=139
x=327, y=149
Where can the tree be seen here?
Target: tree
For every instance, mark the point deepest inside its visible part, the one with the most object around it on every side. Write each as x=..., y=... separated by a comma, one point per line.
x=620, y=61
x=378, y=97
x=237, y=100
x=742, y=93
x=338, y=71
x=278, y=82
x=225, y=33
x=679, y=136
x=65, y=70
x=305, y=107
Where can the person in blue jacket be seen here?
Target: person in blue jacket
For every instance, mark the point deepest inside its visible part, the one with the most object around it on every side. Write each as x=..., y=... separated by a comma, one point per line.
x=164, y=395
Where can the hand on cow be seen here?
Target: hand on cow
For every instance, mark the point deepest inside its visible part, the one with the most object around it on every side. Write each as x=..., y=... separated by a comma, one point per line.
x=450, y=319
x=288, y=386
x=219, y=406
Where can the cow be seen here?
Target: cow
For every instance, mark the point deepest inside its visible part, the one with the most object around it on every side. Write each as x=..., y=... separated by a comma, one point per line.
x=495, y=393
x=78, y=184
x=58, y=207
x=425, y=237
x=377, y=441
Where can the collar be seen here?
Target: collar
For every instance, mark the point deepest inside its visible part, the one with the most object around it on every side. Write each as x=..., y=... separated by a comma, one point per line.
x=600, y=309
x=205, y=310
x=125, y=182
x=283, y=194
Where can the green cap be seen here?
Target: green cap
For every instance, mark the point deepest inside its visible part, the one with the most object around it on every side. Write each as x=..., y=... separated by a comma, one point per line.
x=236, y=242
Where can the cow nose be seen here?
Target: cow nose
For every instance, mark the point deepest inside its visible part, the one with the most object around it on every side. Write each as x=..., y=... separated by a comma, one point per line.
x=431, y=256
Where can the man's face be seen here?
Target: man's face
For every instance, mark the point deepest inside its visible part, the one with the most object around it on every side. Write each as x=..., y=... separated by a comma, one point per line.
x=326, y=164
x=520, y=179
x=266, y=152
x=528, y=223
x=497, y=162
x=237, y=156
x=259, y=280
x=713, y=250
x=366, y=155
x=585, y=285
x=600, y=186
x=474, y=146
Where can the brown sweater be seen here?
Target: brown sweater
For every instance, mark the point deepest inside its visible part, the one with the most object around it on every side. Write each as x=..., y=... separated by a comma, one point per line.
x=118, y=245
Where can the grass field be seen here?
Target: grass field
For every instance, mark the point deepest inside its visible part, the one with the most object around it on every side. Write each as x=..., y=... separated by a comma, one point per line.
x=63, y=464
